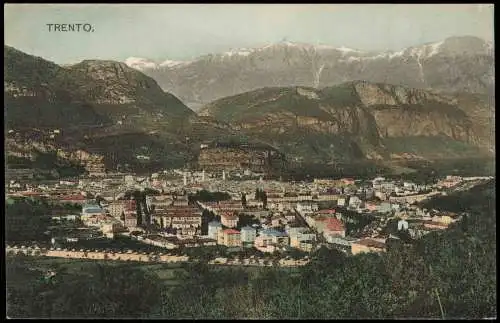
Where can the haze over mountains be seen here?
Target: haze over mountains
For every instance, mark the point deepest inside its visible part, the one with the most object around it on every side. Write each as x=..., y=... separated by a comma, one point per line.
x=456, y=64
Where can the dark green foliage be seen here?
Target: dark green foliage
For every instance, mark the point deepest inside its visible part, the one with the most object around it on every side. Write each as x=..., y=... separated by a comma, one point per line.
x=27, y=220
x=101, y=291
x=47, y=161
x=431, y=146
x=358, y=169
x=246, y=220
x=206, y=196
x=243, y=199
x=143, y=213
x=354, y=222
x=206, y=218
x=342, y=95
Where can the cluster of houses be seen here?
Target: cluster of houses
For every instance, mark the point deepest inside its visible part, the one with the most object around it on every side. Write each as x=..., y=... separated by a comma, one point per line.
x=265, y=240
x=295, y=215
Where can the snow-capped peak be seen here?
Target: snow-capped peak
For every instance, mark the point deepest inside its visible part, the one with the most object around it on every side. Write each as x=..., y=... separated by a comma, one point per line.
x=171, y=63
x=239, y=52
x=346, y=49
x=434, y=48
x=140, y=63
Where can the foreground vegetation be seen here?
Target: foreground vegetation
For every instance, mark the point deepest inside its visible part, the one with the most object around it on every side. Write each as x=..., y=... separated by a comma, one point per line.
x=450, y=274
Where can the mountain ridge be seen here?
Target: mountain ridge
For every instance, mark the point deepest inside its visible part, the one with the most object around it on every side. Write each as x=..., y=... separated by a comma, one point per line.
x=356, y=119
x=460, y=63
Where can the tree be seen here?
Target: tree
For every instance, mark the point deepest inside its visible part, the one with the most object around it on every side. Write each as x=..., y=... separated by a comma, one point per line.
x=99, y=199
x=26, y=221
x=243, y=200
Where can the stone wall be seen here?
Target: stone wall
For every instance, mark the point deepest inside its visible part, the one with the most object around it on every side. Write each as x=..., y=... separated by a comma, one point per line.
x=96, y=254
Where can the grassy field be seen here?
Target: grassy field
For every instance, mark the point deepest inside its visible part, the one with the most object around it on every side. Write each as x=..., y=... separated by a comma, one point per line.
x=166, y=272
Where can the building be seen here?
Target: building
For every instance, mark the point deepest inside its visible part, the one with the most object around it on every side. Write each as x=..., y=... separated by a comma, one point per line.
x=248, y=234
x=110, y=228
x=97, y=219
x=347, y=181
x=161, y=202
x=116, y=209
x=445, y=219
x=264, y=243
x=435, y=225
x=345, y=242
x=186, y=220
x=277, y=237
x=129, y=213
x=333, y=228
x=354, y=202
x=306, y=245
x=213, y=229
x=229, y=238
x=384, y=207
x=229, y=220
x=73, y=199
x=294, y=231
x=130, y=221
x=381, y=195
x=89, y=210
x=402, y=225
x=307, y=207
x=300, y=236
x=180, y=201
x=367, y=245
x=341, y=201
x=277, y=221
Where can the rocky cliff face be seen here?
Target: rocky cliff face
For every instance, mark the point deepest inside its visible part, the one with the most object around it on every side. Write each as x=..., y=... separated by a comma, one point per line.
x=93, y=103
x=114, y=83
x=454, y=64
x=353, y=120
x=104, y=90
x=35, y=94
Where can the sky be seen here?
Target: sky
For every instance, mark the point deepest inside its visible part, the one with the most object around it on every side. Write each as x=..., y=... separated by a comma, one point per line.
x=186, y=31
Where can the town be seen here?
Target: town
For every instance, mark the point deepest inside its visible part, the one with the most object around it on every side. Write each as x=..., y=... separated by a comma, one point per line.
x=177, y=211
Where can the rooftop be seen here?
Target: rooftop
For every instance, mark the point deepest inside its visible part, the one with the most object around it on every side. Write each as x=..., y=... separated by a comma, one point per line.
x=273, y=232
x=73, y=197
x=334, y=224
x=231, y=231
x=214, y=223
x=371, y=243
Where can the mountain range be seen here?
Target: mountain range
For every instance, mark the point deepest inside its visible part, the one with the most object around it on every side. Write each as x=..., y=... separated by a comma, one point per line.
x=314, y=103
x=456, y=64
x=359, y=119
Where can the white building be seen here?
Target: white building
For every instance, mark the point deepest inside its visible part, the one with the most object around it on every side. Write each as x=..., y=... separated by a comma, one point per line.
x=307, y=207
x=402, y=225
x=213, y=229
x=341, y=201
x=354, y=201
x=294, y=231
x=89, y=210
x=248, y=234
